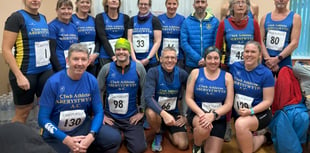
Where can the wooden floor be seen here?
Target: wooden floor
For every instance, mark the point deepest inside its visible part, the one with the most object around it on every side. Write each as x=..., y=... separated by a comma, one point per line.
x=228, y=147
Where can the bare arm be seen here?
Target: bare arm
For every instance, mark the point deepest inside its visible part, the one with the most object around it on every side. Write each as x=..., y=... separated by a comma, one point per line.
x=224, y=10
x=268, y=94
x=189, y=96
x=9, y=39
x=255, y=10
x=262, y=33
x=157, y=41
x=295, y=34
x=129, y=37
x=229, y=97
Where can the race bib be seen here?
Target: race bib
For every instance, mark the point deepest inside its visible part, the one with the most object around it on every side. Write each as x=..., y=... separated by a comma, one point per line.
x=236, y=53
x=171, y=42
x=167, y=103
x=242, y=101
x=141, y=43
x=209, y=107
x=69, y=120
x=112, y=43
x=275, y=40
x=90, y=46
x=118, y=103
x=42, y=53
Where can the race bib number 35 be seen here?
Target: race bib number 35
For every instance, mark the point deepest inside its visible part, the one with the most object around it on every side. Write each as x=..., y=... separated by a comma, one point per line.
x=69, y=120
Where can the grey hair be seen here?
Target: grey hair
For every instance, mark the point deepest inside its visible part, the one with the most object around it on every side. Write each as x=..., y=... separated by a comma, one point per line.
x=77, y=47
x=231, y=7
x=168, y=49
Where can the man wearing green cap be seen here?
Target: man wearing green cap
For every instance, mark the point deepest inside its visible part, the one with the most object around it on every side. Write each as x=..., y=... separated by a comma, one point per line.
x=121, y=84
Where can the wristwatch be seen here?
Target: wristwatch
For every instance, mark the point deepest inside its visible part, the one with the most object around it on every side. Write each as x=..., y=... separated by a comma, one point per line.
x=280, y=57
x=216, y=115
x=93, y=133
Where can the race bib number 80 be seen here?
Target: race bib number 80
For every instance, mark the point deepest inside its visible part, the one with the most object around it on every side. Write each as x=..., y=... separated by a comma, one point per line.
x=275, y=40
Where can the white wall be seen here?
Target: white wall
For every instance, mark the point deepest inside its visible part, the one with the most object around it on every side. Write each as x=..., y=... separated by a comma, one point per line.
x=130, y=7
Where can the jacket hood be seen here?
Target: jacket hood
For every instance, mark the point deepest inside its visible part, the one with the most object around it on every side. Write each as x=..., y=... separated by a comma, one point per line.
x=209, y=15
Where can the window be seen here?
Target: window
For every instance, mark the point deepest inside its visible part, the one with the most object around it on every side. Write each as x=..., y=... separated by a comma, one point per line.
x=302, y=7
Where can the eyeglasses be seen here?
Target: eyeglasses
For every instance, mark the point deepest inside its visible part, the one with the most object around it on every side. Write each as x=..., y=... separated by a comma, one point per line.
x=143, y=4
x=240, y=2
x=170, y=57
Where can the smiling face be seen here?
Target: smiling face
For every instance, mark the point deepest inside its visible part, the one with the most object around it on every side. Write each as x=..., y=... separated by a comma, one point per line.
x=281, y=4
x=251, y=55
x=144, y=6
x=64, y=12
x=212, y=60
x=172, y=6
x=32, y=5
x=168, y=59
x=122, y=55
x=112, y=4
x=78, y=62
x=83, y=5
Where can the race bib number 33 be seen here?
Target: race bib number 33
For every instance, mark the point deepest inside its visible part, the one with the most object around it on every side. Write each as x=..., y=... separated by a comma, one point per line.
x=141, y=43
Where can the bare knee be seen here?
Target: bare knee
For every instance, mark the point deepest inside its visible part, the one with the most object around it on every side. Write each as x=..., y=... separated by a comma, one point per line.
x=22, y=112
x=180, y=140
x=182, y=145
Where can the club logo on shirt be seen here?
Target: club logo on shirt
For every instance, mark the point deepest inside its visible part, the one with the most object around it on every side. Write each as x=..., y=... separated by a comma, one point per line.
x=50, y=127
x=31, y=24
x=62, y=89
x=209, y=26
